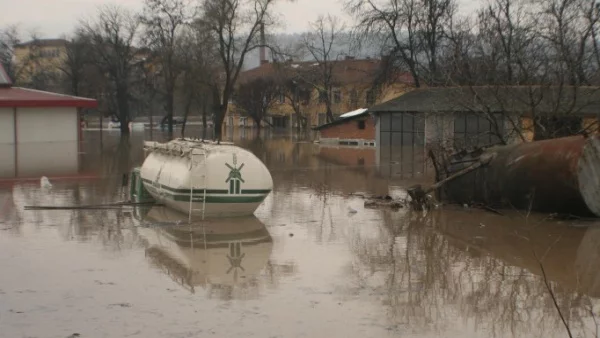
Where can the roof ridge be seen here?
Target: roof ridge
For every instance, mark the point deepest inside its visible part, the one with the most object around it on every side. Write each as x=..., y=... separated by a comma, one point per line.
x=53, y=93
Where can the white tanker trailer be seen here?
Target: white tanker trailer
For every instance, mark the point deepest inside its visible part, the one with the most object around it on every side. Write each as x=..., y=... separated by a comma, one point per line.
x=203, y=178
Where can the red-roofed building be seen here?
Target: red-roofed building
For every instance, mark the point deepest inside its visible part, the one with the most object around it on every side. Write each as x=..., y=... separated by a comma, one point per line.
x=28, y=115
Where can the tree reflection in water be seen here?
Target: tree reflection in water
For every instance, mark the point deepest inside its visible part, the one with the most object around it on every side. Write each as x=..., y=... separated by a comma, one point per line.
x=453, y=268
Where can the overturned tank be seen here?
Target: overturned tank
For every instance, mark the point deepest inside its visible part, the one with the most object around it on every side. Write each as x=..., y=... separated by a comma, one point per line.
x=557, y=176
x=204, y=178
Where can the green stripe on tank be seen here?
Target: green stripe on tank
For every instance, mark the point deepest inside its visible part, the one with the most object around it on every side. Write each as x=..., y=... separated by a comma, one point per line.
x=208, y=191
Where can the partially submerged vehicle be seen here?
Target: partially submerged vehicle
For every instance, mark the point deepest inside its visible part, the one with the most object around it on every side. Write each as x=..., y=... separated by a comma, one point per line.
x=202, y=178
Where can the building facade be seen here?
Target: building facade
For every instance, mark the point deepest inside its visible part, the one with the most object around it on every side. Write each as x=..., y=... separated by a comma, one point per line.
x=466, y=117
x=38, y=62
x=353, y=87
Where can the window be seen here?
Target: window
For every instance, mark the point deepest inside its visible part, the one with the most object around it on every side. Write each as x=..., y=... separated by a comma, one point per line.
x=337, y=96
x=361, y=124
x=401, y=143
x=305, y=96
x=322, y=97
x=354, y=98
x=472, y=130
x=371, y=95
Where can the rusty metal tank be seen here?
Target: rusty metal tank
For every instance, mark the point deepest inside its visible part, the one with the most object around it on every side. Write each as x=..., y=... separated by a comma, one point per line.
x=558, y=176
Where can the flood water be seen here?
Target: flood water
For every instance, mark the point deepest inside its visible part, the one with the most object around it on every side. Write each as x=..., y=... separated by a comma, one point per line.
x=313, y=262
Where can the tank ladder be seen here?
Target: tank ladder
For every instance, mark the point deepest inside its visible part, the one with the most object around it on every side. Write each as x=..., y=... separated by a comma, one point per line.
x=194, y=163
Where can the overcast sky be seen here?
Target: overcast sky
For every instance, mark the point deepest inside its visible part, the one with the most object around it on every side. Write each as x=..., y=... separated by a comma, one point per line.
x=53, y=18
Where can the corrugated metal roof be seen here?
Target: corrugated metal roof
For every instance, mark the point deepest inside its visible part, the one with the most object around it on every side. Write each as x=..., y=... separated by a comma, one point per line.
x=509, y=99
x=24, y=97
x=5, y=80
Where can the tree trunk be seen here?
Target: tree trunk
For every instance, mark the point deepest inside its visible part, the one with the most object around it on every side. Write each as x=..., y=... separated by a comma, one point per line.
x=218, y=121
x=204, y=122
x=170, y=113
x=123, y=106
x=258, y=124
x=188, y=106
x=329, y=114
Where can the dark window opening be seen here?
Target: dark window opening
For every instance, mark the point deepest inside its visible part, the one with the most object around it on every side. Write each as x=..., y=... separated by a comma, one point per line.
x=361, y=124
x=354, y=98
x=557, y=126
x=401, y=144
x=371, y=97
x=322, y=97
x=337, y=96
x=472, y=130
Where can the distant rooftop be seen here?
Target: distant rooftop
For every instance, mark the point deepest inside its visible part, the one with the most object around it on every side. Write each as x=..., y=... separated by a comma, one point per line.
x=496, y=99
x=24, y=97
x=345, y=72
x=43, y=43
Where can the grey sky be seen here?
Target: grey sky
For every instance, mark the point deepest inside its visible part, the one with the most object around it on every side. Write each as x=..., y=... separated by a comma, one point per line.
x=53, y=18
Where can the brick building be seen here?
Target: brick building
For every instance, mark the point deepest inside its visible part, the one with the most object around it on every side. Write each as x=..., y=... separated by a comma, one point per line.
x=353, y=128
x=353, y=87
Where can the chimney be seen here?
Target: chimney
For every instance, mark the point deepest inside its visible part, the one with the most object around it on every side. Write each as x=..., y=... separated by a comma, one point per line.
x=263, y=42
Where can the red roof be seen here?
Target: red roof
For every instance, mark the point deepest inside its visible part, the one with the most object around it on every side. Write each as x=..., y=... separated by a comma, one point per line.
x=24, y=97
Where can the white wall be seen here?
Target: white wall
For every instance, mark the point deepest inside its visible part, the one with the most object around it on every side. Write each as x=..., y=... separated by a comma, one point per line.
x=7, y=164
x=47, y=124
x=6, y=125
x=47, y=159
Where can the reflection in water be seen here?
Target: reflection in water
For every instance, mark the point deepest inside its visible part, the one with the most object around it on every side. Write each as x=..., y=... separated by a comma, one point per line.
x=31, y=160
x=317, y=271
x=225, y=256
x=484, y=268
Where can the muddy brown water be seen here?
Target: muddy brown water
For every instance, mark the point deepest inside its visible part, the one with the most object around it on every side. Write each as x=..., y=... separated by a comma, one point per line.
x=305, y=266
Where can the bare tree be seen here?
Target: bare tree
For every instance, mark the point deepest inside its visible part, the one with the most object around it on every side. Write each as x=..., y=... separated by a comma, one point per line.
x=412, y=32
x=256, y=97
x=113, y=34
x=199, y=58
x=321, y=43
x=77, y=64
x=164, y=20
x=9, y=37
x=297, y=93
x=235, y=26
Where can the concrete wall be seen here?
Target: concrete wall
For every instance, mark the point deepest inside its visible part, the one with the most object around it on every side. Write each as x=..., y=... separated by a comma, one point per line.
x=350, y=130
x=6, y=126
x=47, y=124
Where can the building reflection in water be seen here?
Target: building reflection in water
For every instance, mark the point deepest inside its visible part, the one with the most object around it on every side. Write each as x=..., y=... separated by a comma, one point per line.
x=224, y=256
x=32, y=160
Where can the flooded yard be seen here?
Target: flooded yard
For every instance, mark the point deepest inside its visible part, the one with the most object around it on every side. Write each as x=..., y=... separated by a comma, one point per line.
x=313, y=262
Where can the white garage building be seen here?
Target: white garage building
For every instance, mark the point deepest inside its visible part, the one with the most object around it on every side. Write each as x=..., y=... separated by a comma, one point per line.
x=36, y=120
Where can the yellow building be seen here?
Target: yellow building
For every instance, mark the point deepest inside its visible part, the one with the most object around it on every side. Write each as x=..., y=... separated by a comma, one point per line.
x=353, y=88
x=39, y=60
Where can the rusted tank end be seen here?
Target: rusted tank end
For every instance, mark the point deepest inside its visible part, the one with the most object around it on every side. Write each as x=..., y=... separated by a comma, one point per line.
x=589, y=174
